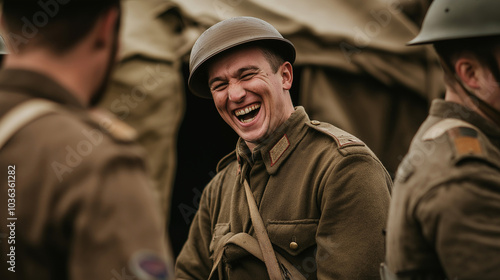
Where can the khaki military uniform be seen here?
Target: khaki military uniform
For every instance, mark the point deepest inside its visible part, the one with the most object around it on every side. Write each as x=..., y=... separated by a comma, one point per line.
x=322, y=194
x=147, y=87
x=444, y=218
x=83, y=206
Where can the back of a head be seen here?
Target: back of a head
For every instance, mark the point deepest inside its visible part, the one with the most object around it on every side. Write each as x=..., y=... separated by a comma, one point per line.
x=55, y=24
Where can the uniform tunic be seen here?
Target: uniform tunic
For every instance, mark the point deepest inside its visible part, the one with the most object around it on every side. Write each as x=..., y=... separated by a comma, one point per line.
x=83, y=206
x=322, y=194
x=444, y=220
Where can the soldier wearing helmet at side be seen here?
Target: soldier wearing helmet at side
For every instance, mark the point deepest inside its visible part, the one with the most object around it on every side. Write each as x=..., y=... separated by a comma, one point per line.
x=322, y=195
x=444, y=217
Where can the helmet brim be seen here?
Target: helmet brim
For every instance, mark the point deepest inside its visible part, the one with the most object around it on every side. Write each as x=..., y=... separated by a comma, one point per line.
x=198, y=80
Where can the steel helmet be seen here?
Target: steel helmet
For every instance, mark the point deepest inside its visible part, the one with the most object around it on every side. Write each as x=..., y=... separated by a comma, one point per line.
x=226, y=35
x=459, y=19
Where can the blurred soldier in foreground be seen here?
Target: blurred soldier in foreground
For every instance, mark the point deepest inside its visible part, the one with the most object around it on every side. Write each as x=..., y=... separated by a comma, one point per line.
x=77, y=203
x=297, y=198
x=147, y=88
x=444, y=217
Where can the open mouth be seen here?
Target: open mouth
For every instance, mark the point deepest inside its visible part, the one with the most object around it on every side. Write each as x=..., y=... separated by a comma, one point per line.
x=247, y=114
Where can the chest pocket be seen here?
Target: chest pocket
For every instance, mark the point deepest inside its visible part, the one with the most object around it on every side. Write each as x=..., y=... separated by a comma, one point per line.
x=293, y=237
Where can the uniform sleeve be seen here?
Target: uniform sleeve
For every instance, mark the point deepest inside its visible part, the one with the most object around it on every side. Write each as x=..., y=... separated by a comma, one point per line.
x=114, y=219
x=354, y=207
x=194, y=260
x=462, y=219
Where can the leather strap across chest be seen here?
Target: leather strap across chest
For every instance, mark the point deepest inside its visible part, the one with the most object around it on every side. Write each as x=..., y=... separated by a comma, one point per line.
x=273, y=268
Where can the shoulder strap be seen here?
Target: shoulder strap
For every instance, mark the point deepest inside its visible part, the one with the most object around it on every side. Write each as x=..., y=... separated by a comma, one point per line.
x=273, y=269
x=441, y=127
x=23, y=114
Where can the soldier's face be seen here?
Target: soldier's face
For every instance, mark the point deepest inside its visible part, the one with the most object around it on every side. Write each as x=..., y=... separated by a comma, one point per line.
x=249, y=96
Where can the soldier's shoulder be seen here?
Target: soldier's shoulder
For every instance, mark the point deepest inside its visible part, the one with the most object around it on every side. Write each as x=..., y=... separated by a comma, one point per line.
x=465, y=141
x=111, y=125
x=445, y=150
x=79, y=128
x=345, y=143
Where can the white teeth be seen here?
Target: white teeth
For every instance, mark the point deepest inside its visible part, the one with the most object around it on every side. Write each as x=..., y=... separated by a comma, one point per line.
x=247, y=121
x=247, y=110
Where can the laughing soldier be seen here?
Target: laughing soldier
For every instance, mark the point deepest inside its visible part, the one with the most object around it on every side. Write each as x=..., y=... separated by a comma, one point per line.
x=297, y=198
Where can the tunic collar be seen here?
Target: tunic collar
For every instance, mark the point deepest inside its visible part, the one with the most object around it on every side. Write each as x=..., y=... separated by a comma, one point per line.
x=445, y=109
x=36, y=85
x=278, y=147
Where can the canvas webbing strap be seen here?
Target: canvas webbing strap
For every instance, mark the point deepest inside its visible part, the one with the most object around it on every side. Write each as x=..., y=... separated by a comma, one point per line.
x=23, y=114
x=273, y=268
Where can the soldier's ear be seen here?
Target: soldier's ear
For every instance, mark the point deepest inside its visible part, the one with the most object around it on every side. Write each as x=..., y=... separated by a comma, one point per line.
x=286, y=75
x=107, y=26
x=469, y=70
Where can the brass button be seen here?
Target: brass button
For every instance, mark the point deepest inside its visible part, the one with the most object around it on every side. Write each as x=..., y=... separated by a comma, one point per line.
x=294, y=245
x=315, y=122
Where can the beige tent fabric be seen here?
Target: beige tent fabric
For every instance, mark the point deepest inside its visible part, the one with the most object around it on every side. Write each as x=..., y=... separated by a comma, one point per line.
x=358, y=36
x=151, y=29
x=147, y=87
x=357, y=72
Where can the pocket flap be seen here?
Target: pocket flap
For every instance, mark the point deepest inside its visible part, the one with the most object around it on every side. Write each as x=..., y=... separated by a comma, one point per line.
x=293, y=236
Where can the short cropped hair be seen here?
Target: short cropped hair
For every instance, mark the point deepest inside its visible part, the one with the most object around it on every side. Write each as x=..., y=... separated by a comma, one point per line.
x=482, y=48
x=275, y=60
x=55, y=24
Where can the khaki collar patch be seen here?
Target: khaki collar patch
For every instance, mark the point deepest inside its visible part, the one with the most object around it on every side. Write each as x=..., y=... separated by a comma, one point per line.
x=279, y=149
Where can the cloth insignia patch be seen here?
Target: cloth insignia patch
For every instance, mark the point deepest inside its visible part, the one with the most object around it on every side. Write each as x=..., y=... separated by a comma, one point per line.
x=279, y=149
x=149, y=266
x=465, y=140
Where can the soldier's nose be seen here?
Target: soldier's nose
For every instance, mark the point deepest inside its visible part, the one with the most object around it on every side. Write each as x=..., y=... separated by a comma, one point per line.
x=236, y=93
